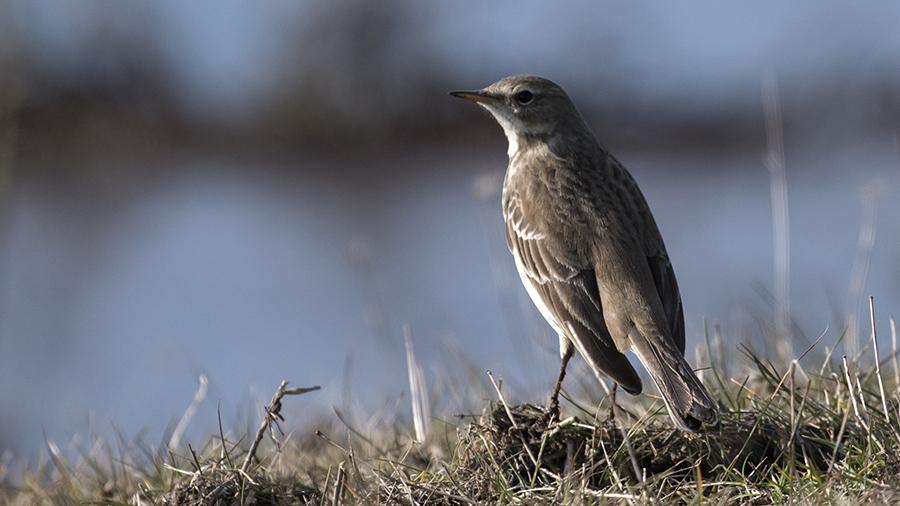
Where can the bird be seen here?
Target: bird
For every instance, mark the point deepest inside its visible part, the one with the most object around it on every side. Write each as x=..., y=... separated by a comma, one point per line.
x=588, y=250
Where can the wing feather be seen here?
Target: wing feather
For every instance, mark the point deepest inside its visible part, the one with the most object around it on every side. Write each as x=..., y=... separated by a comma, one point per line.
x=567, y=295
x=667, y=288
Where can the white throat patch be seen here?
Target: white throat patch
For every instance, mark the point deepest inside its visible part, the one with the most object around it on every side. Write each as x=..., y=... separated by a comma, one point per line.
x=510, y=126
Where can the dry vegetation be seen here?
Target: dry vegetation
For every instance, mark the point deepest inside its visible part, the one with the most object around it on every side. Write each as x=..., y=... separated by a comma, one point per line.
x=791, y=435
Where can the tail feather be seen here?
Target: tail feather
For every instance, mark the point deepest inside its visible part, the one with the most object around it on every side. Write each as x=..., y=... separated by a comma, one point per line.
x=689, y=404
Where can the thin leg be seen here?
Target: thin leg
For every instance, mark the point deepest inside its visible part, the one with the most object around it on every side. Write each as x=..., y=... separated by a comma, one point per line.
x=612, y=403
x=554, y=399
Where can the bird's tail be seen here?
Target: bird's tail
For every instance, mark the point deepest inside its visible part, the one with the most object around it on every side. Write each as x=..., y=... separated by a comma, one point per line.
x=689, y=404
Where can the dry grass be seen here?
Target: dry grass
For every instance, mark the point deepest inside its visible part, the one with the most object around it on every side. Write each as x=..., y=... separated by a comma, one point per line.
x=823, y=435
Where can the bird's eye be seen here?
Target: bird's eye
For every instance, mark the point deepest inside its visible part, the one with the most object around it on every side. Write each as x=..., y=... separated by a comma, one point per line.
x=524, y=97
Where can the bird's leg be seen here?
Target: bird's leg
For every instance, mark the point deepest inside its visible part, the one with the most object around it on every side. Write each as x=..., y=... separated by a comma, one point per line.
x=612, y=403
x=554, y=399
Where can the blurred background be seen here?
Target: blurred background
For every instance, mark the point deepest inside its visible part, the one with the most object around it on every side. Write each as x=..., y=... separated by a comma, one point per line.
x=258, y=191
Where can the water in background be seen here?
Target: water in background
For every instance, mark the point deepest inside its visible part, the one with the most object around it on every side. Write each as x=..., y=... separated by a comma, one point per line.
x=250, y=271
x=139, y=252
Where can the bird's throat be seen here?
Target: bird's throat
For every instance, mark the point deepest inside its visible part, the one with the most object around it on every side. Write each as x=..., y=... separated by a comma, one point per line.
x=510, y=128
x=513, y=142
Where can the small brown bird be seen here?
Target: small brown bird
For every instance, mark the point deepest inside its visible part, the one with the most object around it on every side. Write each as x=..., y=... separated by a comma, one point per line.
x=588, y=249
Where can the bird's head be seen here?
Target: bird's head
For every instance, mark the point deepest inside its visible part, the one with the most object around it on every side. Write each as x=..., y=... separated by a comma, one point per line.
x=526, y=107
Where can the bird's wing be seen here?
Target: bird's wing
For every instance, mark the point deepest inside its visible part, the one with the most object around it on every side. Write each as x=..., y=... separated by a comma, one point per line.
x=667, y=288
x=657, y=257
x=566, y=293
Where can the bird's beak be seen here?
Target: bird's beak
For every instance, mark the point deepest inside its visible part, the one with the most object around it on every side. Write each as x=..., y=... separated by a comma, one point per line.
x=475, y=96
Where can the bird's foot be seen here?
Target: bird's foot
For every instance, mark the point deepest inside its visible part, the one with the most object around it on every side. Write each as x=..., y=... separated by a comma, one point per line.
x=553, y=412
